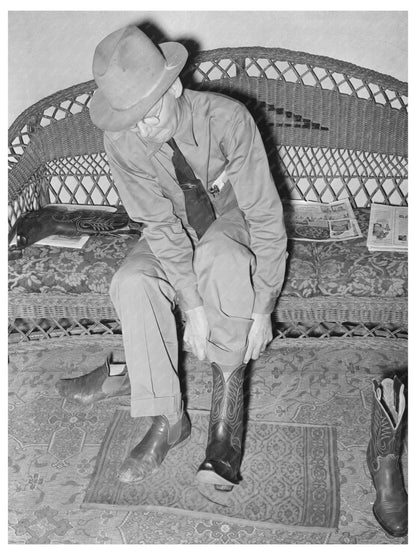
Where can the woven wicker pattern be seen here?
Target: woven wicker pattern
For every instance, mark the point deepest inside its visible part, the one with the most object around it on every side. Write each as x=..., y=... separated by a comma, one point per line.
x=86, y=179
x=41, y=316
x=341, y=131
x=332, y=130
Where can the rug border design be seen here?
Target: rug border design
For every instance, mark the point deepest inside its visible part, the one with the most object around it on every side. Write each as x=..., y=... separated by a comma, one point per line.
x=316, y=441
x=323, y=434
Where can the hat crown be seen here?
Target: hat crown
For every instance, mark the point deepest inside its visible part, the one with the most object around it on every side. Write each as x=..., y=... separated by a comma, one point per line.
x=131, y=73
x=127, y=66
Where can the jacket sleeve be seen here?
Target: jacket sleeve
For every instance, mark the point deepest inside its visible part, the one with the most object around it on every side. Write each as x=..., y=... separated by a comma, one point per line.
x=142, y=197
x=249, y=173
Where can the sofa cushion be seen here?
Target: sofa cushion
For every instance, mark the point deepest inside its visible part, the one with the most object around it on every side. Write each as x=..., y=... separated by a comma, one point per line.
x=301, y=278
x=44, y=269
x=349, y=269
x=344, y=268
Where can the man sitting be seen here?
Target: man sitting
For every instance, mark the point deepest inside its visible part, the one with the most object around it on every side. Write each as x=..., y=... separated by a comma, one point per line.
x=191, y=167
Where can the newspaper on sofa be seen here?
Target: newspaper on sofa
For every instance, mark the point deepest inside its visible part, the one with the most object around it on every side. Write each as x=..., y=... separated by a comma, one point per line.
x=315, y=221
x=387, y=230
x=63, y=241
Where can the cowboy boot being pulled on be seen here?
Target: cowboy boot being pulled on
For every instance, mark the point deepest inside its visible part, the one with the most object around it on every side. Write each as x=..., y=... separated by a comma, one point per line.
x=97, y=385
x=221, y=466
x=383, y=454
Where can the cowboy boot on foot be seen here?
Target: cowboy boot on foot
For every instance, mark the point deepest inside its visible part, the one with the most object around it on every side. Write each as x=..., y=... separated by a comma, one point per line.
x=145, y=459
x=221, y=466
x=95, y=386
x=383, y=454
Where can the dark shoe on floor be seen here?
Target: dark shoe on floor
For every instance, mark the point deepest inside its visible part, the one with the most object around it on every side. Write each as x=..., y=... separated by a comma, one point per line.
x=95, y=386
x=145, y=459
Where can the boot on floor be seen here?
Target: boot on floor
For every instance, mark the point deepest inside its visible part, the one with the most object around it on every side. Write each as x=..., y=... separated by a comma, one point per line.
x=221, y=466
x=383, y=456
x=95, y=386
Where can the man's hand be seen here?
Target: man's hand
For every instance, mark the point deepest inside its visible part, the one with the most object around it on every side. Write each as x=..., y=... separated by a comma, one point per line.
x=196, y=331
x=259, y=336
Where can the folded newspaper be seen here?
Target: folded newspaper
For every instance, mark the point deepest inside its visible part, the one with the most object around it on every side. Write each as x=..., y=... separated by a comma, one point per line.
x=70, y=242
x=387, y=230
x=315, y=221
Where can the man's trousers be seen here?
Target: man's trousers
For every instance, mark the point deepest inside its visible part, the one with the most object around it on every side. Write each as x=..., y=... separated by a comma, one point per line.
x=144, y=300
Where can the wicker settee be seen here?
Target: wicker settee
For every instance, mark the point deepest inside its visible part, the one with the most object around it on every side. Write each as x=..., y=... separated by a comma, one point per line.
x=332, y=130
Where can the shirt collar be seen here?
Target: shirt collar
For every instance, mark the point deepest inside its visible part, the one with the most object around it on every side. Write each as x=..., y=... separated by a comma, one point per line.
x=184, y=133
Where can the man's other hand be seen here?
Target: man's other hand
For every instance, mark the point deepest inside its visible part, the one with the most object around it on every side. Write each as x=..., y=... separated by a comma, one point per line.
x=196, y=331
x=259, y=336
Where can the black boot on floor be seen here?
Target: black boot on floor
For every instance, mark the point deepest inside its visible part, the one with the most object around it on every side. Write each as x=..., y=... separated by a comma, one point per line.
x=221, y=466
x=383, y=456
x=95, y=386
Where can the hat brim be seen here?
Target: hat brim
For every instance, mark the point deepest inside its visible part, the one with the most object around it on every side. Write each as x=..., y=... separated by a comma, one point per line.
x=108, y=119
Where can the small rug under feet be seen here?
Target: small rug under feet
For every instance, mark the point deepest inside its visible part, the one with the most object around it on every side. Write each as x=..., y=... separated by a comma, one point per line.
x=290, y=474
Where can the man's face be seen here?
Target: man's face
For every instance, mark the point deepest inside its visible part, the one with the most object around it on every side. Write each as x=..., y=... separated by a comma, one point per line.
x=161, y=121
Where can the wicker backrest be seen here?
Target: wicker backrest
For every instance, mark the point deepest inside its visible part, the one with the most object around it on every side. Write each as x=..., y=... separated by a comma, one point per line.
x=332, y=130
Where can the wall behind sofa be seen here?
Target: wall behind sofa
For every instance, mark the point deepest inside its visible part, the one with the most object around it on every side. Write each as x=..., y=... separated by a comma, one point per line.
x=51, y=50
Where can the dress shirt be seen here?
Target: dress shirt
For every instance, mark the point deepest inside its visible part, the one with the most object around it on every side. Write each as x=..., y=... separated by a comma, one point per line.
x=222, y=144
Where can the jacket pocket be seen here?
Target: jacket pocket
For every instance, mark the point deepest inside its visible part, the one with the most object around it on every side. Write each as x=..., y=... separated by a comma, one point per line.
x=222, y=196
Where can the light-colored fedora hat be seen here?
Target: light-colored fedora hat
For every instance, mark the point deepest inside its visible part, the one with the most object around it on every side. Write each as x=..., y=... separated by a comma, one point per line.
x=131, y=73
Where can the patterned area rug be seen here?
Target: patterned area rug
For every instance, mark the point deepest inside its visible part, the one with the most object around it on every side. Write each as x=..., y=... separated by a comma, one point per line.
x=54, y=444
x=290, y=474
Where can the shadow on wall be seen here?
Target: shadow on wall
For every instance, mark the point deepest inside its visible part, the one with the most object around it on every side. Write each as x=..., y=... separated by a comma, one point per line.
x=157, y=36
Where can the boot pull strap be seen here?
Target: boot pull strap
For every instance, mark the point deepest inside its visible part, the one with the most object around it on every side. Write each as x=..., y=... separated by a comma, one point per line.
x=391, y=399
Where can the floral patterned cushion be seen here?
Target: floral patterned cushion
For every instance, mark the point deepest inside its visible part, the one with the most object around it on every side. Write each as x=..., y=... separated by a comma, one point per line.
x=44, y=269
x=344, y=268
x=348, y=268
x=54, y=270
x=301, y=278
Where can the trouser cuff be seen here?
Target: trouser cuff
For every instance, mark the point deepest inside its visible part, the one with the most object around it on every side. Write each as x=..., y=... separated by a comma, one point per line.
x=155, y=406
